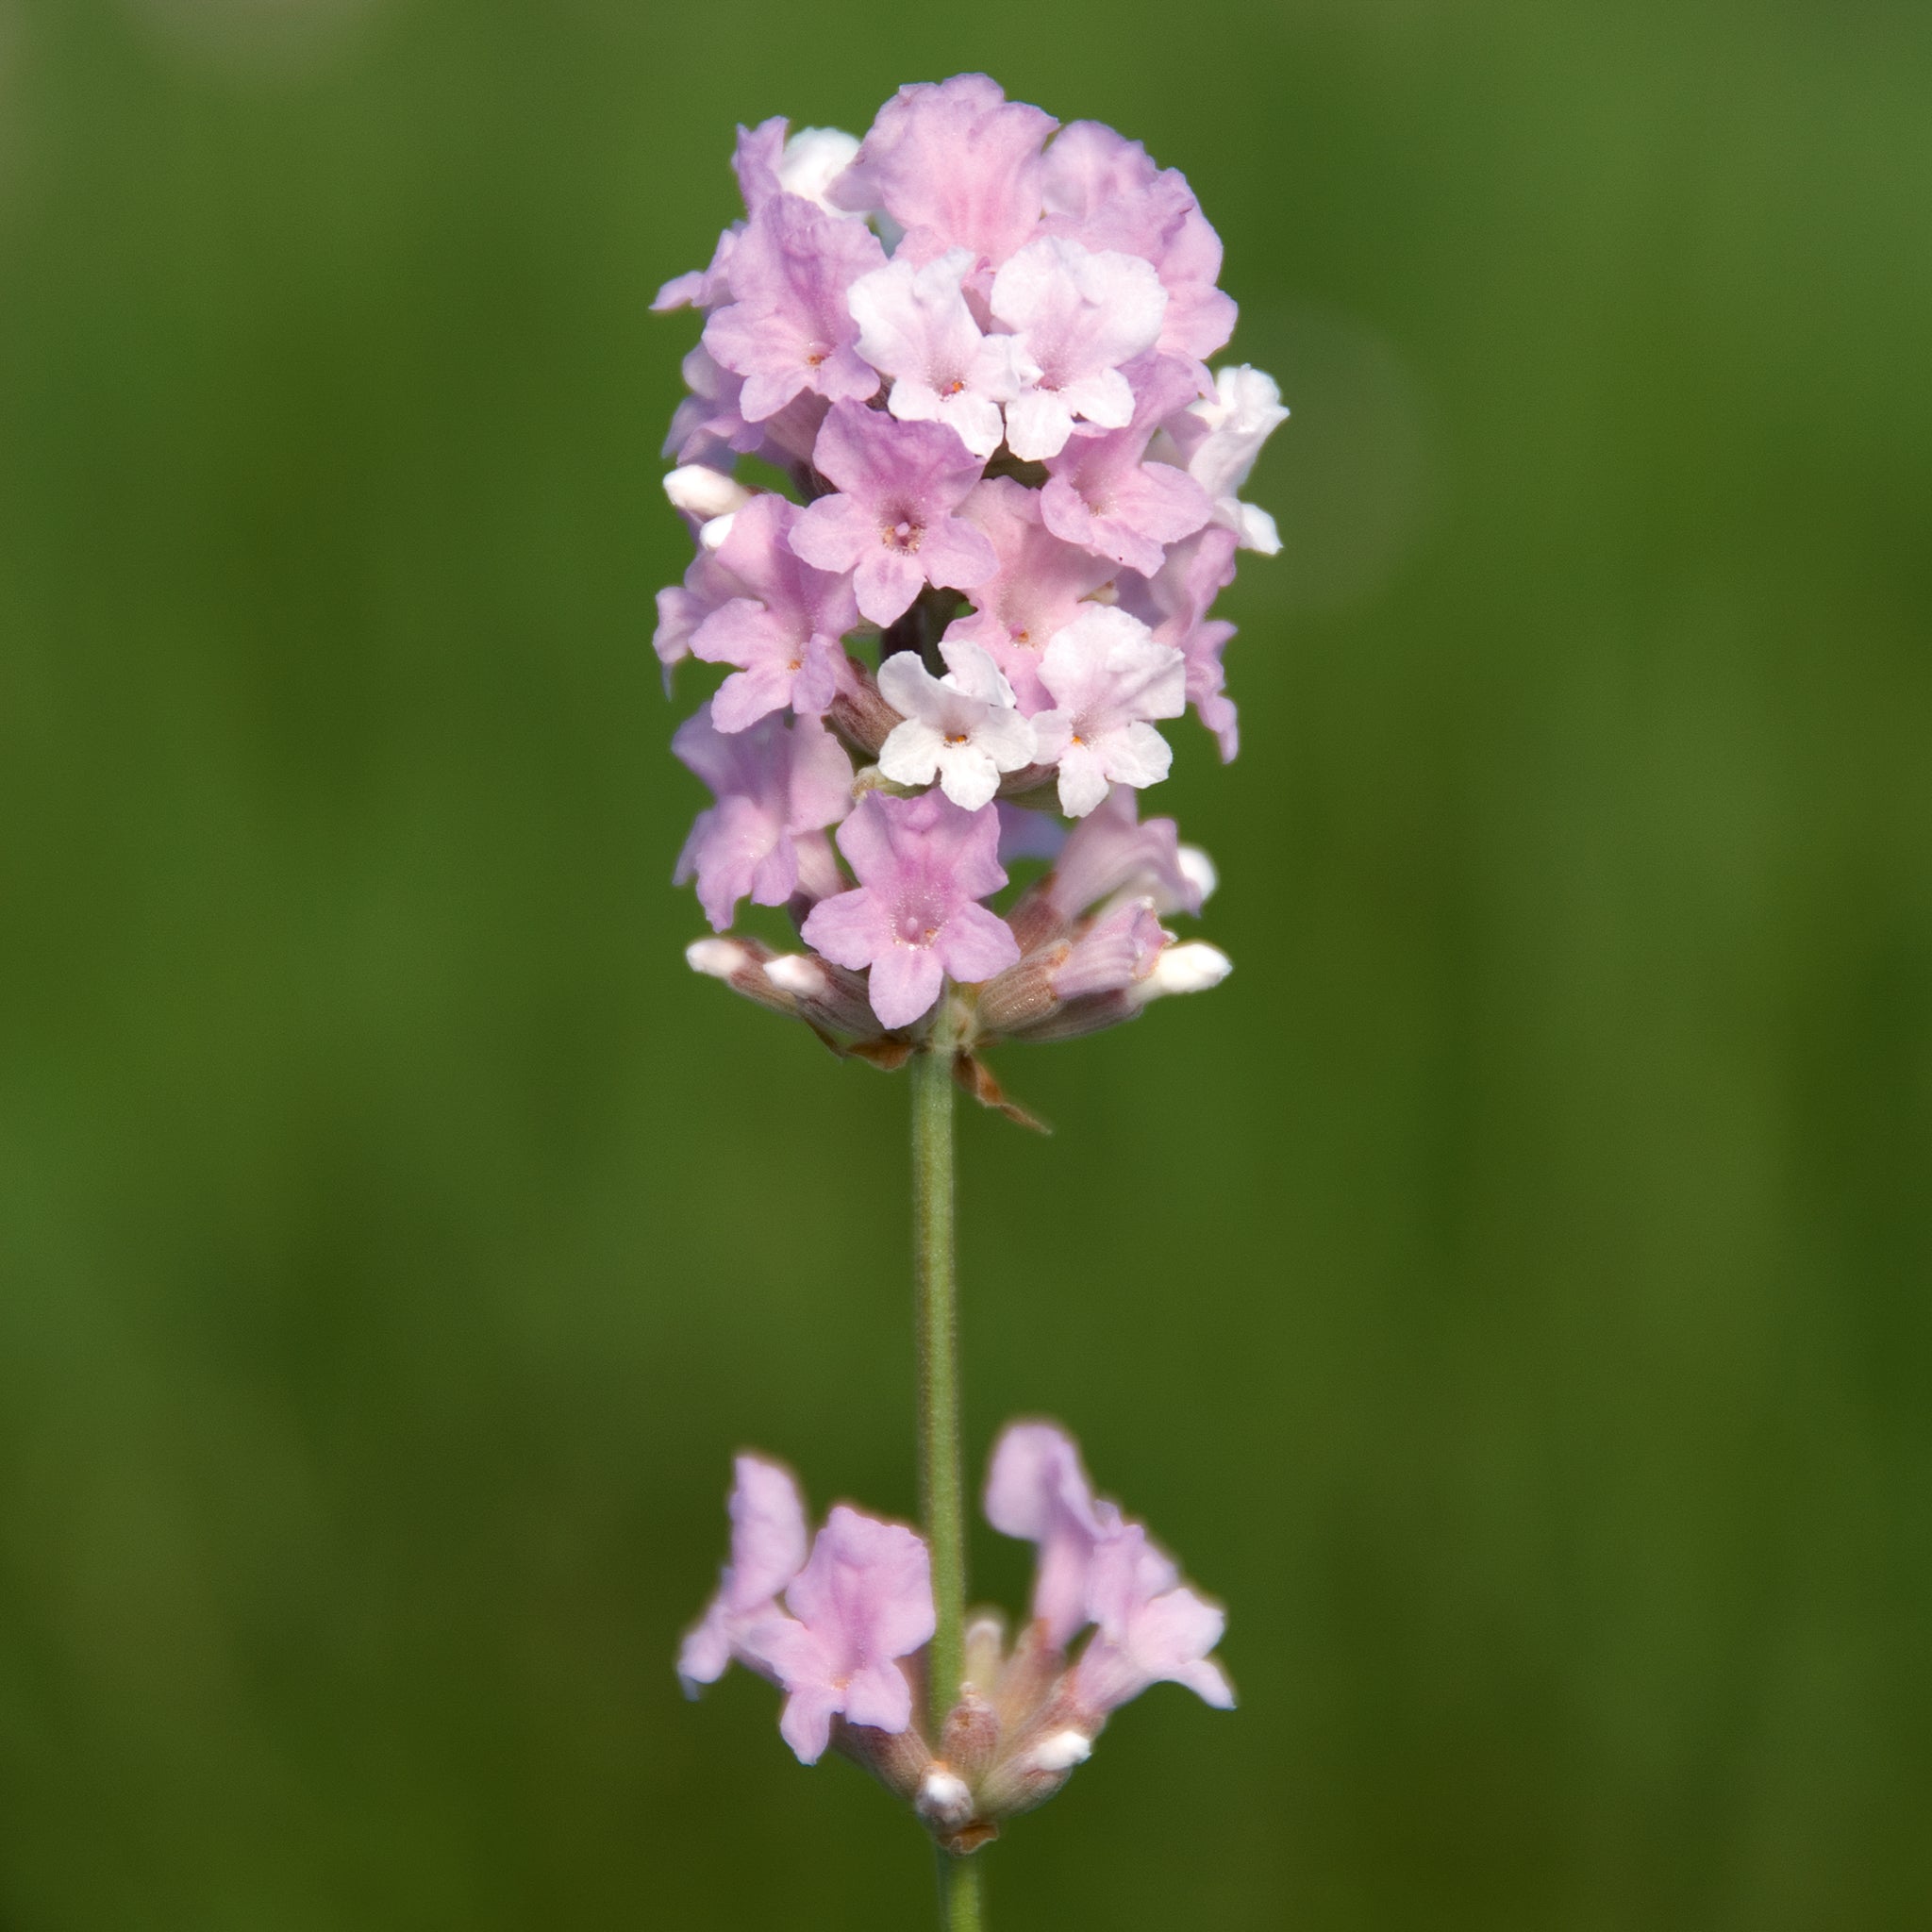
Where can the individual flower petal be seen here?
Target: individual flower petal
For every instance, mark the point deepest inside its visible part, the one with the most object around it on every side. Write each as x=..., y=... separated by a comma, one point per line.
x=920, y=864
x=769, y=163
x=1116, y=951
x=1111, y=852
x=891, y=523
x=701, y=287
x=813, y=158
x=709, y=585
x=708, y=426
x=1151, y=1628
x=962, y=729
x=1108, y=676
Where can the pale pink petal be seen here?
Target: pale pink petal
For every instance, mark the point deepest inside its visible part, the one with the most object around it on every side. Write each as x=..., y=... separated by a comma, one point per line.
x=834, y=533
x=879, y=1696
x=847, y=929
x=977, y=944
x=904, y=983
x=957, y=555
x=805, y=1723
x=886, y=582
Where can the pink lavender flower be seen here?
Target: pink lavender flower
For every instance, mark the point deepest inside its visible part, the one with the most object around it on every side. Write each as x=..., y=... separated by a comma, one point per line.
x=1037, y=1488
x=768, y=1550
x=1101, y=190
x=1219, y=438
x=771, y=162
x=1111, y=851
x=892, y=522
x=1076, y=317
x=862, y=1601
x=790, y=329
x=784, y=626
x=1117, y=951
x=701, y=287
x=1035, y=590
x=922, y=863
x=773, y=782
x=707, y=427
x=956, y=165
x=916, y=327
x=707, y=586
x=1096, y=1567
x=1107, y=677
x=1152, y=1628
x=962, y=729
x=1102, y=495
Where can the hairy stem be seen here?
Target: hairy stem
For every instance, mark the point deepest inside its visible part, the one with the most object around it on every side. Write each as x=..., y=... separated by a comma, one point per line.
x=940, y=1485
x=940, y=1488
x=958, y=1893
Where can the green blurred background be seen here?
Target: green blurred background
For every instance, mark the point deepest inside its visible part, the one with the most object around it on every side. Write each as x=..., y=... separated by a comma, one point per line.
x=1509, y=1292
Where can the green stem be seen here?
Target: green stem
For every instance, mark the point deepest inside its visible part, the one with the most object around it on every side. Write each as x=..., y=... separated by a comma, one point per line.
x=958, y=1893
x=940, y=1499
x=942, y=1490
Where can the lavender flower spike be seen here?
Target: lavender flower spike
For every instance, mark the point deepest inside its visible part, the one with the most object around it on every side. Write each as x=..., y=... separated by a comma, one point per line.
x=835, y=1630
x=972, y=345
x=992, y=493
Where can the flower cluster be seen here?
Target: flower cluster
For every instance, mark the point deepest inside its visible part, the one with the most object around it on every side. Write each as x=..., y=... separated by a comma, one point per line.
x=840, y=1623
x=973, y=346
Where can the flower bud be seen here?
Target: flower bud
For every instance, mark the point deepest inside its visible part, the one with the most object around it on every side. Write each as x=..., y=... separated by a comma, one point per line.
x=944, y=1800
x=1190, y=968
x=1022, y=996
x=1061, y=1751
x=828, y=995
x=740, y=964
x=972, y=1734
x=704, y=493
x=858, y=714
x=1197, y=869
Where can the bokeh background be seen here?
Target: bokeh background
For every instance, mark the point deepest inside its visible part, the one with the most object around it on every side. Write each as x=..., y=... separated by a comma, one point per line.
x=1509, y=1292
